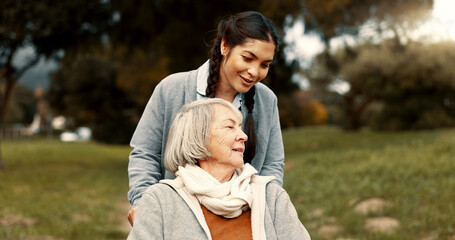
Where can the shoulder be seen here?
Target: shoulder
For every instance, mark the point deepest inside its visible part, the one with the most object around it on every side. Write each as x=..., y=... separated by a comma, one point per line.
x=274, y=190
x=264, y=92
x=175, y=80
x=264, y=98
x=277, y=198
x=160, y=191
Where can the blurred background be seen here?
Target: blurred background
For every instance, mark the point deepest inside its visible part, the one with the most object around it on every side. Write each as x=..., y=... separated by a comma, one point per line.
x=371, y=71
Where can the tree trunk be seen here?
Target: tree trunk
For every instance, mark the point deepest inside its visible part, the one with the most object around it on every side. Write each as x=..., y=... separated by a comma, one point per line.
x=355, y=110
x=11, y=82
x=11, y=75
x=2, y=165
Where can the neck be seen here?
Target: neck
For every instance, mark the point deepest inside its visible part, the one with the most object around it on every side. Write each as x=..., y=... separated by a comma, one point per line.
x=224, y=92
x=223, y=89
x=220, y=172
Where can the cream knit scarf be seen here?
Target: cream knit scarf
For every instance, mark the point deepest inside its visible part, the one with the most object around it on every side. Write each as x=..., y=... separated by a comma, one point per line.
x=227, y=199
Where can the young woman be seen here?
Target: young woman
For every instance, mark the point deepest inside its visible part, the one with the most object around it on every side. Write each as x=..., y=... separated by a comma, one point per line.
x=241, y=54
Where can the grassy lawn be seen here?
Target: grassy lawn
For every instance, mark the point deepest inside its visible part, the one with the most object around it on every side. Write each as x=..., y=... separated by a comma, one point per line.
x=54, y=190
x=329, y=171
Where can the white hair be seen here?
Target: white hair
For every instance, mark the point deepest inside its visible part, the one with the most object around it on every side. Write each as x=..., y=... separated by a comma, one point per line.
x=190, y=131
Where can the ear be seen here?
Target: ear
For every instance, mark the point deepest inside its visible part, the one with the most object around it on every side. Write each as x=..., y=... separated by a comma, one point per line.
x=224, y=47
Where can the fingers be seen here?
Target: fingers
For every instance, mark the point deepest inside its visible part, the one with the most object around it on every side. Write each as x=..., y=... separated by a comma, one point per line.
x=131, y=214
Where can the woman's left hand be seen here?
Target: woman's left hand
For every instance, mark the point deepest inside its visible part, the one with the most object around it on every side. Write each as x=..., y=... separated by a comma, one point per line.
x=131, y=214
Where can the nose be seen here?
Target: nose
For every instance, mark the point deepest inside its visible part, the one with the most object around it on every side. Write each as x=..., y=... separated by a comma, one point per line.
x=253, y=71
x=241, y=136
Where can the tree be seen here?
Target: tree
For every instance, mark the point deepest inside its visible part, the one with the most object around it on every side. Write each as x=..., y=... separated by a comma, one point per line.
x=412, y=86
x=301, y=109
x=418, y=95
x=22, y=106
x=86, y=91
x=330, y=19
x=176, y=34
x=49, y=27
x=151, y=39
x=334, y=18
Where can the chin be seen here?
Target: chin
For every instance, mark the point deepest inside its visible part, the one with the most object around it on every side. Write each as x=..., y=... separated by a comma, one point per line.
x=243, y=90
x=239, y=164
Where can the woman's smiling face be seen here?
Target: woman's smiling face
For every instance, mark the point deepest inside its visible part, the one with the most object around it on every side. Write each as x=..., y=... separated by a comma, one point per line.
x=245, y=65
x=227, y=140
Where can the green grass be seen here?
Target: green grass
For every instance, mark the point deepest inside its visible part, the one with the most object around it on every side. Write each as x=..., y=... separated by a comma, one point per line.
x=329, y=169
x=72, y=190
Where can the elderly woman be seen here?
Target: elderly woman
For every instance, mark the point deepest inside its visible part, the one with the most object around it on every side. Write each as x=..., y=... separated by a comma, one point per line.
x=214, y=195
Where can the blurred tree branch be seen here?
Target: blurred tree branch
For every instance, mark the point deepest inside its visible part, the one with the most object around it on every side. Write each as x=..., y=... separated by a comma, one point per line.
x=334, y=18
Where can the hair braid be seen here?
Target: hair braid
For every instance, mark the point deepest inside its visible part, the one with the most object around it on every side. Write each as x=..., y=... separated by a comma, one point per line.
x=215, y=62
x=250, y=145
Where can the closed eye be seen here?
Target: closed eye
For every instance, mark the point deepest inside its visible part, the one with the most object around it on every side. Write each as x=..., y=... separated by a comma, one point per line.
x=248, y=59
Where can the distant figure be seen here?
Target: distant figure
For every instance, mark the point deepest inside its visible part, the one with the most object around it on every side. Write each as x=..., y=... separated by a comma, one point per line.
x=41, y=118
x=214, y=195
x=241, y=55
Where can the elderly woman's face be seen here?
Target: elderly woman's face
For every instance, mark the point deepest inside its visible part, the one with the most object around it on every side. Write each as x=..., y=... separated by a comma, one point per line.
x=227, y=140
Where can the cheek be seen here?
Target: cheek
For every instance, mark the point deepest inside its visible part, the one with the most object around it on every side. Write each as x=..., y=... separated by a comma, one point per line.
x=220, y=144
x=220, y=140
x=237, y=65
x=263, y=74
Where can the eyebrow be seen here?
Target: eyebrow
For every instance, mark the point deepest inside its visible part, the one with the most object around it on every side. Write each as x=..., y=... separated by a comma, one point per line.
x=254, y=55
x=232, y=120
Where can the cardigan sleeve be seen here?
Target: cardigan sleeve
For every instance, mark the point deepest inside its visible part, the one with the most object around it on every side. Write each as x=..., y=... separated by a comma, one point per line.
x=145, y=168
x=286, y=222
x=274, y=152
x=148, y=222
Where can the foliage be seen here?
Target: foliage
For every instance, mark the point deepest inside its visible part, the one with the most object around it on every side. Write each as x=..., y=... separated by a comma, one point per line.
x=23, y=106
x=338, y=17
x=170, y=26
x=86, y=91
x=387, y=19
x=301, y=109
x=48, y=27
x=413, y=83
x=175, y=35
x=139, y=74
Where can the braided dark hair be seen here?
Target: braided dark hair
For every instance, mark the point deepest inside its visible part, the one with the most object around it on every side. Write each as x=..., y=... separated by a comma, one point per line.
x=236, y=30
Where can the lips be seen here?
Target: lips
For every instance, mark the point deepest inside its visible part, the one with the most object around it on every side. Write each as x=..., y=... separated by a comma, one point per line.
x=247, y=82
x=239, y=149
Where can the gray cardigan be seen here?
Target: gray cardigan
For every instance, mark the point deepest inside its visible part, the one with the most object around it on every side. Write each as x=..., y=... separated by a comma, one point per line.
x=168, y=213
x=149, y=140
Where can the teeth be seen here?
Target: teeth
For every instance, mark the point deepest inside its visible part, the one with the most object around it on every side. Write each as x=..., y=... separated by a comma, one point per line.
x=248, y=81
